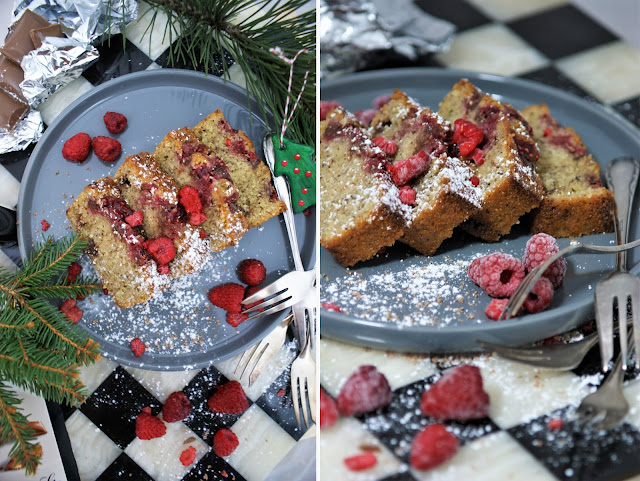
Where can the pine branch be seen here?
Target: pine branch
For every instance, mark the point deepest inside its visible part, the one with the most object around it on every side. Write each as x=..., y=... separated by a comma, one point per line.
x=50, y=259
x=14, y=426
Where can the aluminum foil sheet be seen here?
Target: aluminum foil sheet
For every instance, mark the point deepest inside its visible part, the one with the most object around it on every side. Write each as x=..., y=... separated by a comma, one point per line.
x=354, y=33
x=56, y=63
x=28, y=130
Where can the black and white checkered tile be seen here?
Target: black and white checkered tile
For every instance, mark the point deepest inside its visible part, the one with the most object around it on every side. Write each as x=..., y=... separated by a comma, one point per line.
x=552, y=42
x=101, y=432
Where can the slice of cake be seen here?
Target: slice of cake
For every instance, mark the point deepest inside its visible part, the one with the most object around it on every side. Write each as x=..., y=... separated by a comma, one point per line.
x=575, y=202
x=191, y=163
x=360, y=209
x=257, y=196
x=154, y=194
x=440, y=187
x=496, y=137
x=117, y=250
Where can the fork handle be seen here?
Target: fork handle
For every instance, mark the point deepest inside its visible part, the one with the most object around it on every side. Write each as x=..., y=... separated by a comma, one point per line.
x=621, y=176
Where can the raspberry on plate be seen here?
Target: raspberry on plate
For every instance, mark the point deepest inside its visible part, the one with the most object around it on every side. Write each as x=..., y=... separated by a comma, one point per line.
x=328, y=410
x=360, y=462
x=76, y=149
x=252, y=272
x=495, y=308
x=149, y=426
x=229, y=398
x=73, y=271
x=225, y=442
x=236, y=318
x=227, y=296
x=176, y=408
x=71, y=310
x=188, y=456
x=540, y=296
x=106, y=148
x=457, y=395
x=432, y=446
x=366, y=390
x=138, y=347
x=162, y=249
x=538, y=249
x=115, y=122
x=45, y=225
x=498, y=274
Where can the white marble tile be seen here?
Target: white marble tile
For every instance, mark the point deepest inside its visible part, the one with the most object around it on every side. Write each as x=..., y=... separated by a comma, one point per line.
x=347, y=438
x=236, y=75
x=152, y=41
x=507, y=10
x=93, y=449
x=160, y=457
x=9, y=189
x=153, y=66
x=262, y=444
x=6, y=263
x=632, y=394
x=162, y=383
x=340, y=360
x=281, y=361
x=94, y=374
x=492, y=49
x=477, y=461
x=512, y=387
x=611, y=72
x=59, y=100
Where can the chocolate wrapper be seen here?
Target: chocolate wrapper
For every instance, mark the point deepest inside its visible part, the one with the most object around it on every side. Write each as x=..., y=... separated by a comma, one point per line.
x=353, y=33
x=28, y=130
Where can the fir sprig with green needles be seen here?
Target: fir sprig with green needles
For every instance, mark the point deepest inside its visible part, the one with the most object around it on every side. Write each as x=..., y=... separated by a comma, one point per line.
x=40, y=349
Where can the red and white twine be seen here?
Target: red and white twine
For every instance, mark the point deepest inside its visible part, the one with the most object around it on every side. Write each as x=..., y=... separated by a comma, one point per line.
x=285, y=121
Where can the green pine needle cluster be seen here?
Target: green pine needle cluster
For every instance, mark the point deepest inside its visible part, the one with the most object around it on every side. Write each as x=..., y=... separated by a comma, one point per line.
x=200, y=31
x=40, y=350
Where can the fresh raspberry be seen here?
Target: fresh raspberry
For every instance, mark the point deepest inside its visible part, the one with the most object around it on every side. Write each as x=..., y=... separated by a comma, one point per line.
x=478, y=156
x=149, y=426
x=229, y=398
x=188, y=456
x=197, y=218
x=281, y=392
x=203, y=234
x=457, y=395
x=162, y=249
x=252, y=272
x=467, y=136
x=380, y=101
x=540, y=296
x=328, y=410
x=71, y=310
x=106, y=148
x=73, y=271
x=538, y=249
x=163, y=270
x=360, y=462
x=135, y=219
x=365, y=116
x=331, y=306
x=138, y=347
x=474, y=180
x=366, y=390
x=76, y=149
x=115, y=122
x=407, y=195
x=404, y=170
x=555, y=424
x=249, y=291
x=547, y=132
x=45, y=225
x=432, y=446
x=227, y=296
x=225, y=442
x=389, y=147
x=498, y=274
x=176, y=408
x=236, y=318
x=495, y=307
x=190, y=199
x=326, y=107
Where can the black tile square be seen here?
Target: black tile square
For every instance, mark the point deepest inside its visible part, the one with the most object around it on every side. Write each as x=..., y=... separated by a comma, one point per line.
x=8, y=232
x=462, y=14
x=555, y=78
x=215, y=67
x=16, y=161
x=124, y=468
x=116, y=60
x=398, y=423
x=202, y=420
x=114, y=406
x=278, y=404
x=213, y=468
x=630, y=110
x=561, y=31
x=404, y=476
x=575, y=451
x=590, y=366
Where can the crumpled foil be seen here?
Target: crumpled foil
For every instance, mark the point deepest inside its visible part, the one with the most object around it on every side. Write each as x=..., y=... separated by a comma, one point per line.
x=56, y=63
x=351, y=31
x=60, y=60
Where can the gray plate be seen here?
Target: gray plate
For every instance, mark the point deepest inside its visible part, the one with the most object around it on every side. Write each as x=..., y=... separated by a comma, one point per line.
x=181, y=328
x=456, y=320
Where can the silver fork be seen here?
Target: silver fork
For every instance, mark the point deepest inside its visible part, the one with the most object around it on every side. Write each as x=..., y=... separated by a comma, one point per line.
x=282, y=293
x=619, y=287
x=259, y=355
x=303, y=380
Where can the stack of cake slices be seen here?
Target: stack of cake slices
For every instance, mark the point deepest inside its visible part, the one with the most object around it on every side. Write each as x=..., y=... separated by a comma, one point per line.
x=414, y=175
x=179, y=203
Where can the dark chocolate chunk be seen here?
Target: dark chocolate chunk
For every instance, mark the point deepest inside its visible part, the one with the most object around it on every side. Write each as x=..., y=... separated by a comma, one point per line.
x=39, y=34
x=18, y=43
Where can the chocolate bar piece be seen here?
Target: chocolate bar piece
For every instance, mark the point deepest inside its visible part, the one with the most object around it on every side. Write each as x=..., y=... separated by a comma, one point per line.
x=10, y=77
x=18, y=43
x=39, y=34
x=11, y=110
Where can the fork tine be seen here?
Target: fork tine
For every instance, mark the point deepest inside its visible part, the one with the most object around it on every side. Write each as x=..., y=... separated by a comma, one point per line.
x=268, y=291
x=622, y=326
x=258, y=357
x=245, y=359
x=270, y=302
x=604, y=322
x=303, y=400
x=273, y=309
x=635, y=315
x=294, y=396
